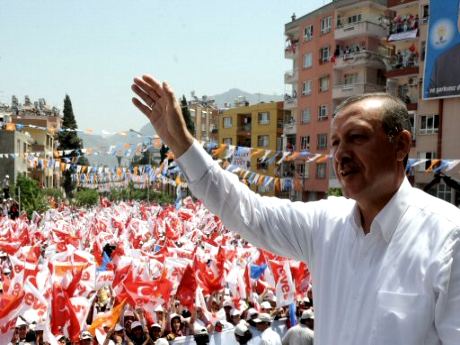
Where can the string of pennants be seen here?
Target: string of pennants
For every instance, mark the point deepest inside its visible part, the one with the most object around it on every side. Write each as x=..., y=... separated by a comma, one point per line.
x=236, y=157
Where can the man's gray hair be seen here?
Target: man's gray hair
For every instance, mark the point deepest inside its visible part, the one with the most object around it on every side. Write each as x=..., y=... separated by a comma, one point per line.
x=395, y=117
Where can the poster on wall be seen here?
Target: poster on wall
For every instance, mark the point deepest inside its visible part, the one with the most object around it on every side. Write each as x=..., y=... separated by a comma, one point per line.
x=442, y=61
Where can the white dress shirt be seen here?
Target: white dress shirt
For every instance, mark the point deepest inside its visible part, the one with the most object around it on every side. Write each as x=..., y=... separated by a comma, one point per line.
x=399, y=284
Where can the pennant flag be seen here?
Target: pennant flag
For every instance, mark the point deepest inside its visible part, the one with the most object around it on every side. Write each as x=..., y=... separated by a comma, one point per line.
x=109, y=319
x=186, y=291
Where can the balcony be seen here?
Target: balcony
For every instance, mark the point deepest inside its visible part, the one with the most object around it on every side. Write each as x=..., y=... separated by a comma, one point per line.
x=289, y=128
x=291, y=51
x=364, y=28
x=363, y=58
x=342, y=91
x=291, y=77
x=244, y=130
x=290, y=102
x=398, y=72
x=403, y=63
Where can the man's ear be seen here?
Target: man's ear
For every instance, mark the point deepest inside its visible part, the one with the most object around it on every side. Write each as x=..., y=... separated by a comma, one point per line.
x=403, y=142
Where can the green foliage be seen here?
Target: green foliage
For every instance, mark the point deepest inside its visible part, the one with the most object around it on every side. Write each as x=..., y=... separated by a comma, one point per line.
x=334, y=192
x=187, y=117
x=69, y=140
x=87, y=197
x=32, y=197
x=131, y=193
x=56, y=193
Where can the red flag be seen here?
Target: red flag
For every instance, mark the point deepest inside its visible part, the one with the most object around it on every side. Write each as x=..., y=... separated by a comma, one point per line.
x=187, y=288
x=301, y=277
x=63, y=317
x=143, y=292
x=210, y=281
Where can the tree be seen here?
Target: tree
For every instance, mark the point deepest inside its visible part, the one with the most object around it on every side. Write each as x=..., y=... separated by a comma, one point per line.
x=32, y=196
x=187, y=117
x=69, y=140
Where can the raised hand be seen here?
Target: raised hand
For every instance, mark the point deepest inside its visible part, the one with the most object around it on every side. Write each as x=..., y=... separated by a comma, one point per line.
x=157, y=102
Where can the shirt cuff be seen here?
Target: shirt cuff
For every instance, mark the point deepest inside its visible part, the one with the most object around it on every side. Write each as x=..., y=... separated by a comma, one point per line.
x=195, y=162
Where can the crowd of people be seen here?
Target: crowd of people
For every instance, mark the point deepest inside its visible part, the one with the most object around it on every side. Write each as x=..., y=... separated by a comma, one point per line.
x=88, y=277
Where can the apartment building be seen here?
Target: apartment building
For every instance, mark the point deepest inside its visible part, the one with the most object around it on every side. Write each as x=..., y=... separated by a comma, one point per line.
x=259, y=126
x=435, y=122
x=310, y=46
x=42, y=123
x=204, y=115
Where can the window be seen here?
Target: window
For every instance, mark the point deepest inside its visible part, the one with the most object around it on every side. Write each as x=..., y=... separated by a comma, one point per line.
x=227, y=122
x=429, y=124
x=192, y=113
x=227, y=141
x=321, y=170
x=300, y=170
x=262, y=140
x=324, y=84
x=324, y=54
x=305, y=142
x=422, y=49
x=425, y=13
x=326, y=25
x=307, y=60
x=203, y=127
x=356, y=18
x=442, y=191
x=264, y=118
x=425, y=155
x=322, y=141
x=351, y=78
x=308, y=33
x=322, y=112
x=306, y=88
x=306, y=115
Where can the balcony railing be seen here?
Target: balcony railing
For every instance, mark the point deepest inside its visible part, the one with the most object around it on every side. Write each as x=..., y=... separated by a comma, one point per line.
x=290, y=52
x=357, y=58
x=363, y=28
x=291, y=77
x=290, y=101
x=347, y=90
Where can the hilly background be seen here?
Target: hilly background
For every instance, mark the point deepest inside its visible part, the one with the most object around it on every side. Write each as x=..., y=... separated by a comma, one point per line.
x=101, y=144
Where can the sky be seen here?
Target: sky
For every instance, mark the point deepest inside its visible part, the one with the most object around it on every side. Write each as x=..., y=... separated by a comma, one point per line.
x=91, y=50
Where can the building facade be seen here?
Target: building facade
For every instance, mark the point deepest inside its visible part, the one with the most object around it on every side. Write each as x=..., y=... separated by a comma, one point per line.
x=258, y=126
x=374, y=45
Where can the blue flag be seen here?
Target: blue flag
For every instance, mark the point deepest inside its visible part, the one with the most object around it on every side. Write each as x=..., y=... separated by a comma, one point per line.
x=257, y=270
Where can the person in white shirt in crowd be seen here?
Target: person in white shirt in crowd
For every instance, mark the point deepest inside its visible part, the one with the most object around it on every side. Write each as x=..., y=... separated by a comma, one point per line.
x=242, y=333
x=385, y=259
x=302, y=333
x=268, y=336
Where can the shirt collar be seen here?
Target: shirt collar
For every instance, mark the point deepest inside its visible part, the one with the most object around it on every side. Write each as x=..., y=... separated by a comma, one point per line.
x=388, y=218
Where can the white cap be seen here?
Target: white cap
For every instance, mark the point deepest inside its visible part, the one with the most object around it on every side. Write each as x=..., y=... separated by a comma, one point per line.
x=85, y=335
x=21, y=322
x=235, y=312
x=251, y=312
x=129, y=313
x=161, y=341
x=157, y=325
x=136, y=324
x=241, y=329
x=263, y=317
x=265, y=305
x=159, y=308
x=228, y=303
x=118, y=328
x=307, y=314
